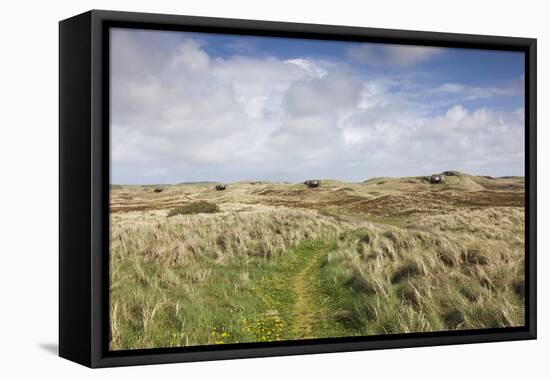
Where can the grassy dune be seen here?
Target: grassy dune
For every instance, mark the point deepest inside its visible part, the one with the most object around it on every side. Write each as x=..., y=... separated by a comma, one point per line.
x=277, y=261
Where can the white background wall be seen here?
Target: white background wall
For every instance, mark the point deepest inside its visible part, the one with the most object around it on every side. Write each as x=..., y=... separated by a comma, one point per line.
x=29, y=186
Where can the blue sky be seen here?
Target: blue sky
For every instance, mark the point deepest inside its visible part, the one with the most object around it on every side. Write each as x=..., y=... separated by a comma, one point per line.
x=195, y=107
x=479, y=67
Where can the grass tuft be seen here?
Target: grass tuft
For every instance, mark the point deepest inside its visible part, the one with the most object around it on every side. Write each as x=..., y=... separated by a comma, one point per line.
x=406, y=271
x=475, y=257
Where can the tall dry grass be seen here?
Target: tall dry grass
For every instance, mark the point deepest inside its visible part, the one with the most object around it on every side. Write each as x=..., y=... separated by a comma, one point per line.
x=178, y=240
x=458, y=271
x=194, y=279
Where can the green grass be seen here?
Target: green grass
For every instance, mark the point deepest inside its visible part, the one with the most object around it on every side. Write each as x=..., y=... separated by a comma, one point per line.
x=160, y=306
x=248, y=300
x=199, y=207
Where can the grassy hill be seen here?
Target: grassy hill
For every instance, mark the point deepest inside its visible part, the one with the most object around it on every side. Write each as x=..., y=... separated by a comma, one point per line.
x=278, y=261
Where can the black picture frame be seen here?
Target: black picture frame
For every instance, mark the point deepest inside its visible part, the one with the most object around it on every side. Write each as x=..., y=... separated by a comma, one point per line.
x=84, y=187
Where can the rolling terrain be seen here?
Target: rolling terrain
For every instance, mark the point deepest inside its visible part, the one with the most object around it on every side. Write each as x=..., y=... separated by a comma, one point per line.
x=265, y=261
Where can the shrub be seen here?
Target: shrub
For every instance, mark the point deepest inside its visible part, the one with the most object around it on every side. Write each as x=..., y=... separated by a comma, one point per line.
x=194, y=208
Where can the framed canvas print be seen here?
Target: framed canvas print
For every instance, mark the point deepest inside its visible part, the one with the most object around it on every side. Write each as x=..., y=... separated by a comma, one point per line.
x=234, y=188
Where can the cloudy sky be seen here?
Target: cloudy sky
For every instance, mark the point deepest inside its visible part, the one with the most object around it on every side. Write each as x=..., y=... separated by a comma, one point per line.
x=207, y=107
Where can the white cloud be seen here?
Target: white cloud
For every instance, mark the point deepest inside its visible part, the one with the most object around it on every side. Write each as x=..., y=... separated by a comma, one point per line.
x=331, y=93
x=457, y=113
x=311, y=68
x=179, y=114
x=451, y=88
x=469, y=93
x=393, y=55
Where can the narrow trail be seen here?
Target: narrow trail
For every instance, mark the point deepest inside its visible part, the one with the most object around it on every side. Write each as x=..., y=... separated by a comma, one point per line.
x=293, y=307
x=305, y=312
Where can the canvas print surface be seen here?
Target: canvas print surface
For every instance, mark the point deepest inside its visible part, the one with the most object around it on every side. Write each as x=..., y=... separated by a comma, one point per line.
x=271, y=189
